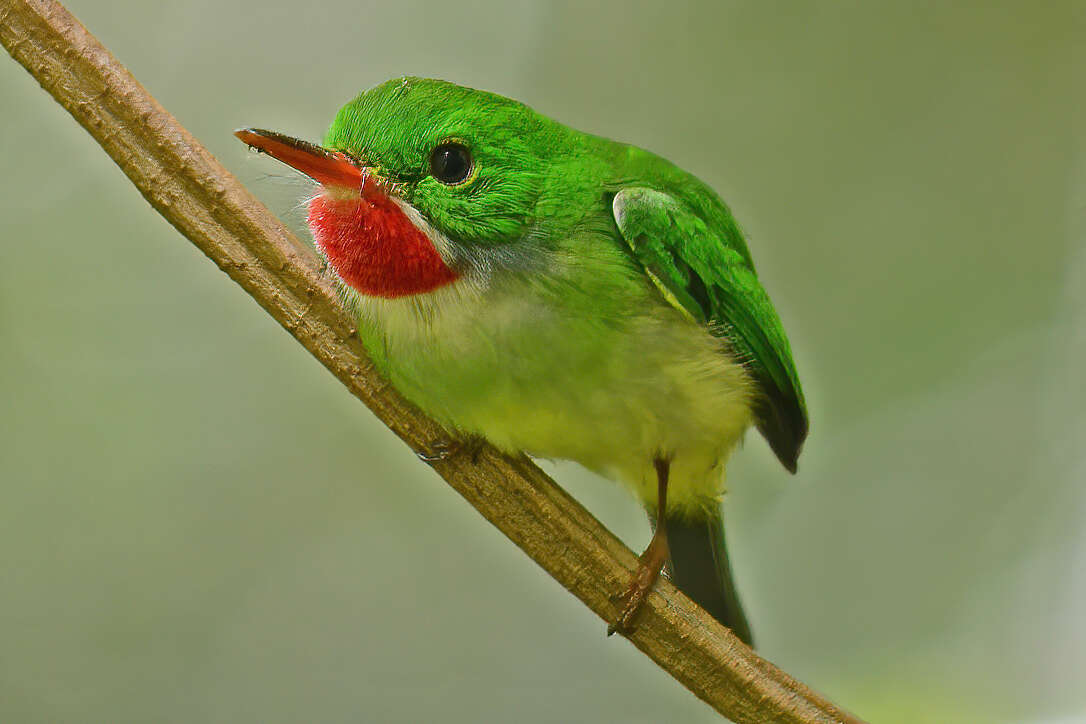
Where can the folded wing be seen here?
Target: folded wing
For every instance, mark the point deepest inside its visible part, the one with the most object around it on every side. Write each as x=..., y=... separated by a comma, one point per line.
x=713, y=284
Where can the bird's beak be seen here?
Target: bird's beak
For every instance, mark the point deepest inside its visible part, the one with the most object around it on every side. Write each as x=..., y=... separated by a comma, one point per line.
x=331, y=168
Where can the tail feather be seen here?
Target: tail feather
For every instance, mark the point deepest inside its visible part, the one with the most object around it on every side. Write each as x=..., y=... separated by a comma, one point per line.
x=699, y=568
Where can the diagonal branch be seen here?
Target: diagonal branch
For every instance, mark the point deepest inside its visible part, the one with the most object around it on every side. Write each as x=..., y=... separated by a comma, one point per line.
x=185, y=184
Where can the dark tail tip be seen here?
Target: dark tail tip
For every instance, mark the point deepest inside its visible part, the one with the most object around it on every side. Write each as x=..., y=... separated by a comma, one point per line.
x=699, y=567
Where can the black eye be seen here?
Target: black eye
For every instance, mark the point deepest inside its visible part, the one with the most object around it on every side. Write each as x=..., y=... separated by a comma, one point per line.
x=450, y=163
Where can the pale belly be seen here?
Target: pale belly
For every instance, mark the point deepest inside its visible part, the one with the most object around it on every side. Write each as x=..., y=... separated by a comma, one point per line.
x=612, y=387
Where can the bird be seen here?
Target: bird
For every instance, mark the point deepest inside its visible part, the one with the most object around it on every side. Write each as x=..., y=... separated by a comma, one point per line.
x=560, y=294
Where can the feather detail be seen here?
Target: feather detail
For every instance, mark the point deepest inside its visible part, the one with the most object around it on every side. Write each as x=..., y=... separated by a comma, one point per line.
x=375, y=248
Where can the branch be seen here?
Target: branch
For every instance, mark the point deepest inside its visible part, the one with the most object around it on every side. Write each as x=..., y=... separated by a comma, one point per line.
x=185, y=184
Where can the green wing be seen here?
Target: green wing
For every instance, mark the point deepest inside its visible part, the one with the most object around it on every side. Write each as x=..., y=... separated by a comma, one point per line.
x=714, y=284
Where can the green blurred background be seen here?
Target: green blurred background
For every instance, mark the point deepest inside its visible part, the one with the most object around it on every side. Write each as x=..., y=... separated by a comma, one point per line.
x=198, y=524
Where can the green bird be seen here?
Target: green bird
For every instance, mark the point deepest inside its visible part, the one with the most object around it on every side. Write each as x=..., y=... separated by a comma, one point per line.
x=560, y=294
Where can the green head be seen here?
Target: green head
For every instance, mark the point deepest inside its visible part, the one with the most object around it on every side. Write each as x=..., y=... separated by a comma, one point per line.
x=420, y=178
x=473, y=163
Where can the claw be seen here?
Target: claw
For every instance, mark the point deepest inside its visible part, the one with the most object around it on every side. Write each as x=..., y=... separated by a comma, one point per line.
x=438, y=451
x=624, y=623
x=640, y=584
x=444, y=449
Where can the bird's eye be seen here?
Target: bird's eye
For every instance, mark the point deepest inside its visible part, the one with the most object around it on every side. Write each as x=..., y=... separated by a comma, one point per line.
x=450, y=163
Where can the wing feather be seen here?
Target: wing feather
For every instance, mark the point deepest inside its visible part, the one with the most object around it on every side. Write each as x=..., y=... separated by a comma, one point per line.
x=714, y=284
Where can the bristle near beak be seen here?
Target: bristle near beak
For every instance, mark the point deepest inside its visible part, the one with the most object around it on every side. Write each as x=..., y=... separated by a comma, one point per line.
x=328, y=167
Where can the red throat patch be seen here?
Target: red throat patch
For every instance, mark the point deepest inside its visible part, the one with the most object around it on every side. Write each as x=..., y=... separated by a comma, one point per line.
x=375, y=248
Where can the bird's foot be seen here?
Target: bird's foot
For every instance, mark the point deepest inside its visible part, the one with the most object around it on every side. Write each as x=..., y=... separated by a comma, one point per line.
x=444, y=449
x=648, y=570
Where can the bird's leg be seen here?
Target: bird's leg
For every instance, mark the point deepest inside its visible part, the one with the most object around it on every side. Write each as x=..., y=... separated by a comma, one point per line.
x=651, y=561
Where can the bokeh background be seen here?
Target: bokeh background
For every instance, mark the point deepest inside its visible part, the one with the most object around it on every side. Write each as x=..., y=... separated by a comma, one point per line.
x=199, y=525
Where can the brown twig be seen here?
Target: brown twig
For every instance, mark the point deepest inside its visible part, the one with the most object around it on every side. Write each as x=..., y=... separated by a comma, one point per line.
x=208, y=205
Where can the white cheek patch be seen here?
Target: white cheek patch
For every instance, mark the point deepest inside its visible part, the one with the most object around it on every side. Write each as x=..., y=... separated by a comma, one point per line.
x=475, y=269
x=438, y=239
x=418, y=316
x=453, y=309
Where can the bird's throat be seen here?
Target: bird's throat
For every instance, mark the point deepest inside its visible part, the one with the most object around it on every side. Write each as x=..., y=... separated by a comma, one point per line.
x=374, y=247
